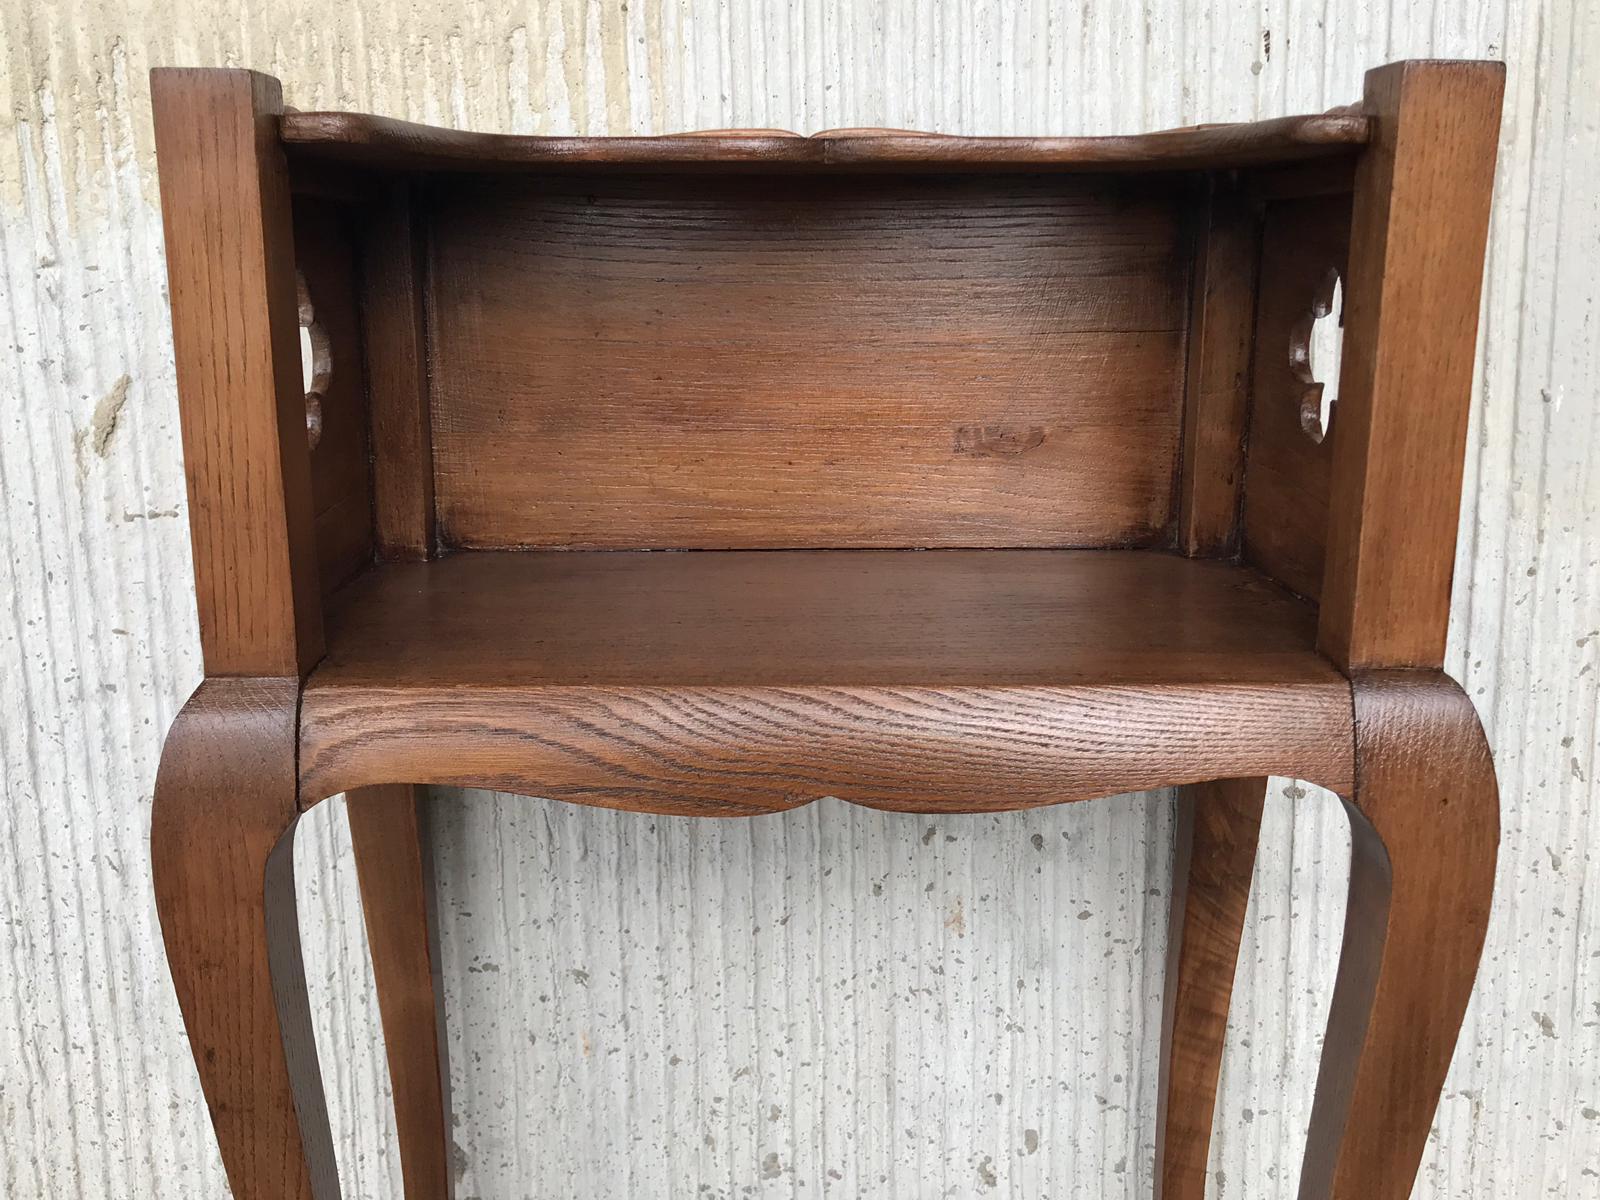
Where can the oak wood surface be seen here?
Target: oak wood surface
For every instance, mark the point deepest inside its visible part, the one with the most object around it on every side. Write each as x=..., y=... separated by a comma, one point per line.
x=341, y=475
x=726, y=751
x=397, y=372
x=1425, y=831
x=912, y=340
x=235, y=332
x=1302, y=180
x=1420, y=221
x=1217, y=827
x=1284, y=521
x=1217, y=375
x=223, y=863
x=751, y=681
x=716, y=363
x=382, y=141
x=793, y=618
x=393, y=865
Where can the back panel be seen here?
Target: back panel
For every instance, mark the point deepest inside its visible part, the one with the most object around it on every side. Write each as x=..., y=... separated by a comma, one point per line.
x=628, y=361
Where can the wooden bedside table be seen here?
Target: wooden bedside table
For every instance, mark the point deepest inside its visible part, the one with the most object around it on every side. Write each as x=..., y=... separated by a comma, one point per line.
x=713, y=474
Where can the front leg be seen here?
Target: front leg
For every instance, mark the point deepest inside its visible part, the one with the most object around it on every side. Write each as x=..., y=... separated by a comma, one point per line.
x=1425, y=829
x=221, y=850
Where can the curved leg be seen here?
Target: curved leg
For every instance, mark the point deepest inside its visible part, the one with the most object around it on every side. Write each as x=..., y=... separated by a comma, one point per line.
x=1425, y=828
x=387, y=829
x=225, y=802
x=1218, y=826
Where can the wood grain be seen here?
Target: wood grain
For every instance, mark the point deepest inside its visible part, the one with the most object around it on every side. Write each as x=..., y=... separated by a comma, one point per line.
x=627, y=343
x=222, y=858
x=235, y=331
x=1425, y=829
x=397, y=374
x=393, y=865
x=1218, y=826
x=1284, y=523
x=384, y=142
x=341, y=473
x=1217, y=375
x=1302, y=180
x=626, y=363
x=705, y=751
x=795, y=618
x=1421, y=217
x=738, y=682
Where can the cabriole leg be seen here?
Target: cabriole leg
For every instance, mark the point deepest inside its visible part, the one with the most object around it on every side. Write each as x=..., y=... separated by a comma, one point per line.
x=387, y=830
x=1218, y=826
x=222, y=855
x=1425, y=829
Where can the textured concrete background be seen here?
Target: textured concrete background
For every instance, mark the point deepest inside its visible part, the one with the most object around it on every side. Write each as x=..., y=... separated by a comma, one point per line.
x=833, y=1001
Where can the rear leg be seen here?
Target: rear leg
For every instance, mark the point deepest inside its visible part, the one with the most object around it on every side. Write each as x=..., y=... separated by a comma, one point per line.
x=1218, y=826
x=388, y=831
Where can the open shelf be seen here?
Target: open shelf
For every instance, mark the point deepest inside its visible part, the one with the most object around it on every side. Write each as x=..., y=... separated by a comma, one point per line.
x=731, y=681
x=380, y=141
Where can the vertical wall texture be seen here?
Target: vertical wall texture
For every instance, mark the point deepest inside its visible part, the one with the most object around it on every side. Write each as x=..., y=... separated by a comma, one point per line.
x=833, y=1001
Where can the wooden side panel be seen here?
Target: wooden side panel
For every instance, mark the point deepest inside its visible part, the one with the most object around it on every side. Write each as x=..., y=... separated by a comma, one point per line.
x=341, y=473
x=397, y=376
x=1421, y=218
x=1285, y=517
x=230, y=273
x=1217, y=379
x=626, y=361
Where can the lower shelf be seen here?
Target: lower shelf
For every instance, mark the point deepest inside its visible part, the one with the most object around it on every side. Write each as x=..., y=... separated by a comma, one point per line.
x=748, y=681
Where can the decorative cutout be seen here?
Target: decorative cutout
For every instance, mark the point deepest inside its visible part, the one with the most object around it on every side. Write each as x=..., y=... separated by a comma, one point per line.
x=316, y=361
x=1316, y=346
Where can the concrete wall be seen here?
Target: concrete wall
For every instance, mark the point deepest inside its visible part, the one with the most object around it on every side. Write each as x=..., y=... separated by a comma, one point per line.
x=833, y=1001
